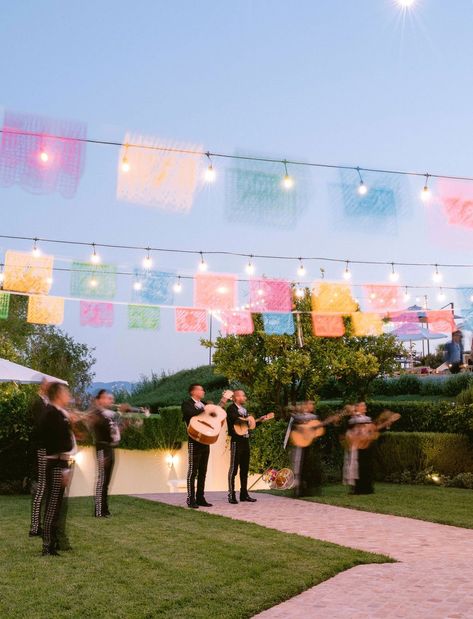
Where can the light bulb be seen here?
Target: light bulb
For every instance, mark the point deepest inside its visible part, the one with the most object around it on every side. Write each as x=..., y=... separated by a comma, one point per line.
x=210, y=174
x=44, y=156
x=2, y=276
x=287, y=182
x=425, y=194
x=441, y=295
x=49, y=280
x=301, y=270
x=94, y=256
x=36, y=250
x=347, y=273
x=125, y=165
x=177, y=286
x=394, y=275
x=436, y=275
x=203, y=266
x=299, y=293
x=362, y=189
x=137, y=286
x=93, y=283
x=147, y=262
x=406, y=3
x=250, y=268
x=407, y=296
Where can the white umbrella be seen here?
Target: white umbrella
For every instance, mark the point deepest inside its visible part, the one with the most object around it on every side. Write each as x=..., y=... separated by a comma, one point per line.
x=15, y=373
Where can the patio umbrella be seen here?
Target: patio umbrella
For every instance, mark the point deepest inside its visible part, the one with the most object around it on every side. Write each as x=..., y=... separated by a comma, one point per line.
x=15, y=373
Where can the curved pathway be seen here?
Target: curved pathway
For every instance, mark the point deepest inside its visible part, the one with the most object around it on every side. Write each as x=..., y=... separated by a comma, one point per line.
x=433, y=577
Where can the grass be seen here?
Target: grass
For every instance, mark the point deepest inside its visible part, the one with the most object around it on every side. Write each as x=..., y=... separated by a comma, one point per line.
x=154, y=560
x=452, y=506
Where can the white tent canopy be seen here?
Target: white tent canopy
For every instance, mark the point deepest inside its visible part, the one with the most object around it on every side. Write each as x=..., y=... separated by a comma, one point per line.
x=15, y=373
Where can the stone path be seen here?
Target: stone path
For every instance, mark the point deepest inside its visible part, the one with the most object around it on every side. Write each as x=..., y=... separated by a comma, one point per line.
x=433, y=579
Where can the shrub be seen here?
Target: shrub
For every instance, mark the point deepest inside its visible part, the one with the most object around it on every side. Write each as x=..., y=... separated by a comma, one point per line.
x=465, y=397
x=411, y=453
x=455, y=384
x=267, y=447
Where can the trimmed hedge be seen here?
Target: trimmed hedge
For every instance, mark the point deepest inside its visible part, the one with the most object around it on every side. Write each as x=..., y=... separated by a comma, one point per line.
x=414, y=452
x=408, y=384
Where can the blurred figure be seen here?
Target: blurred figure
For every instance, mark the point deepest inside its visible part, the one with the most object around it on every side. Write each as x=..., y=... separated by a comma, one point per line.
x=454, y=352
x=305, y=459
x=358, y=462
x=104, y=425
x=38, y=410
x=58, y=439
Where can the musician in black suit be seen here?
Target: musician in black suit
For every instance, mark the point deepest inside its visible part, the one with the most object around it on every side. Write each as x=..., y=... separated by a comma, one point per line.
x=198, y=453
x=56, y=434
x=239, y=449
x=38, y=453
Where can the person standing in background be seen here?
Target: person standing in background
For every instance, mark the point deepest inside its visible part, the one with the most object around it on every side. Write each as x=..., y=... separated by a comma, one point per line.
x=38, y=450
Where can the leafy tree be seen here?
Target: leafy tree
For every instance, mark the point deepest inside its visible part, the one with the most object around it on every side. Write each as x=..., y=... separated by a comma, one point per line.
x=286, y=368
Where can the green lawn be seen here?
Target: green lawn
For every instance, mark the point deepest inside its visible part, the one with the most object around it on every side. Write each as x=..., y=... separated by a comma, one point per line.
x=153, y=560
x=436, y=504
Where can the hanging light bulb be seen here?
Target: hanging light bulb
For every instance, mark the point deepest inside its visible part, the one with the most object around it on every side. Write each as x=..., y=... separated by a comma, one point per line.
x=36, y=250
x=137, y=286
x=301, y=269
x=49, y=280
x=2, y=276
x=250, y=267
x=147, y=261
x=44, y=157
x=441, y=295
x=425, y=194
x=406, y=4
x=394, y=275
x=300, y=293
x=177, y=286
x=362, y=188
x=436, y=275
x=94, y=257
x=210, y=175
x=407, y=296
x=203, y=266
x=347, y=272
x=125, y=162
x=93, y=283
x=287, y=181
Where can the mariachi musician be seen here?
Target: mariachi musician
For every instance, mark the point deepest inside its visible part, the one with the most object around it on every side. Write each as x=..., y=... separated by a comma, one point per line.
x=305, y=461
x=198, y=452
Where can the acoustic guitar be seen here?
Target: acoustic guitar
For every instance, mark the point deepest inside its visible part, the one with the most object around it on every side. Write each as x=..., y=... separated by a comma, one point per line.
x=243, y=424
x=303, y=434
x=206, y=426
x=362, y=435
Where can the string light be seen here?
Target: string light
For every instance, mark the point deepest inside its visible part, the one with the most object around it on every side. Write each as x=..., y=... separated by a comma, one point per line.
x=93, y=283
x=36, y=250
x=362, y=188
x=322, y=273
x=301, y=269
x=407, y=296
x=287, y=181
x=49, y=280
x=394, y=275
x=436, y=275
x=300, y=293
x=203, y=266
x=177, y=286
x=441, y=295
x=250, y=267
x=210, y=175
x=406, y=4
x=147, y=261
x=94, y=257
x=425, y=194
x=347, y=272
x=125, y=162
x=137, y=286
x=44, y=157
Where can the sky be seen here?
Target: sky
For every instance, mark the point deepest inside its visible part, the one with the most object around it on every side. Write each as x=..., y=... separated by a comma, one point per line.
x=362, y=83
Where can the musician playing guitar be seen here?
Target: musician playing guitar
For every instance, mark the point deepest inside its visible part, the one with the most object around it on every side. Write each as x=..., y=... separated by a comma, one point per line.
x=198, y=452
x=238, y=417
x=305, y=461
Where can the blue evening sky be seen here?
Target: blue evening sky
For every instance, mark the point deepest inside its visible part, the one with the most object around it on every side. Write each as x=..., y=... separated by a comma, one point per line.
x=342, y=81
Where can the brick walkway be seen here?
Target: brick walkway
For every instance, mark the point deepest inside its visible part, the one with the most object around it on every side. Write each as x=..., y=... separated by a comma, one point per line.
x=433, y=579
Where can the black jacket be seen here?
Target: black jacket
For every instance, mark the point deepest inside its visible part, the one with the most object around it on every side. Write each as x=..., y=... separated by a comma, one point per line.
x=234, y=415
x=55, y=431
x=37, y=412
x=190, y=409
x=105, y=427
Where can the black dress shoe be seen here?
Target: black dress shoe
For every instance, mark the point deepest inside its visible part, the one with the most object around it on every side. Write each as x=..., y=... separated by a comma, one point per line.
x=233, y=500
x=192, y=505
x=204, y=503
x=50, y=552
x=38, y=533
x=247, y=499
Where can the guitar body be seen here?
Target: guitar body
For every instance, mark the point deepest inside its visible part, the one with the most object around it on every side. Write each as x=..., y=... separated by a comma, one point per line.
x=304, y=434
x=242, y=425
x=206, y=426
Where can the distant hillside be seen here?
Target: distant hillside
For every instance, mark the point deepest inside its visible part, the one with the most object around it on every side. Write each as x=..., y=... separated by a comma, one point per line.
x=114, y=386
x=171, y=390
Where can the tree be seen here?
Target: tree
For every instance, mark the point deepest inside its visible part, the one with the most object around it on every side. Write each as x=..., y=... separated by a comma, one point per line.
x=286, y=368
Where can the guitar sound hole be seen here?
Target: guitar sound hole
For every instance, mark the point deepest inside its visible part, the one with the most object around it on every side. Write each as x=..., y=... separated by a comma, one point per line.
x=213, y=414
